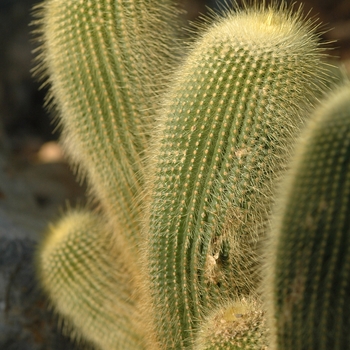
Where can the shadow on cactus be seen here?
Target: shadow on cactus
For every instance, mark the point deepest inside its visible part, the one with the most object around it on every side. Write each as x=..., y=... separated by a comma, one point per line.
x=182, y=154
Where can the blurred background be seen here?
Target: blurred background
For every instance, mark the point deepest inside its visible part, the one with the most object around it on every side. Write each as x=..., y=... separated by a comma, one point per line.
x=35, y=181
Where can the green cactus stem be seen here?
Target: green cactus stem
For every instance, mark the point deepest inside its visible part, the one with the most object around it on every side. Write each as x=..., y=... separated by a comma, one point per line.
x=105, y=61
x=236, y=326
x=87, y=283
x=309, y=250
x=225, y=135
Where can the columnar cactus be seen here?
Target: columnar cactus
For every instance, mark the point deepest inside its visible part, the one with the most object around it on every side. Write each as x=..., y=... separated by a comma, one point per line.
x=309, y=255
x=104, y=60
x=89, y=284
x=225, y=135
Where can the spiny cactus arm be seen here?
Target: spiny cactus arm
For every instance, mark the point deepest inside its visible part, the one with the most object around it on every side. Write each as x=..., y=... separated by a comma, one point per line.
x=104, y=60
x=88, y=285
x=238, y=325
x=225, y=135
x=308, y=254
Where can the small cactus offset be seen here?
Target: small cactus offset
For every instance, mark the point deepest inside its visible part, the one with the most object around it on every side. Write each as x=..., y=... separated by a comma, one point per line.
x=183, y=160
x=308, y=289
x=88, y=283
x=225, y=135
x=235, y=326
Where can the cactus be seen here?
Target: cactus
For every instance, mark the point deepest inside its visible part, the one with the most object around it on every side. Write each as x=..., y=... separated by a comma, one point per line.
x=88, y=283
x=225, y=135
x=104, y=61
x=237, y=325
x=308, y=290
x=205, y=149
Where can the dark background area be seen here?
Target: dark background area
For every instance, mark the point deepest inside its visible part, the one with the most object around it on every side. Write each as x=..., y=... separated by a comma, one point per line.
x=35, y=181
